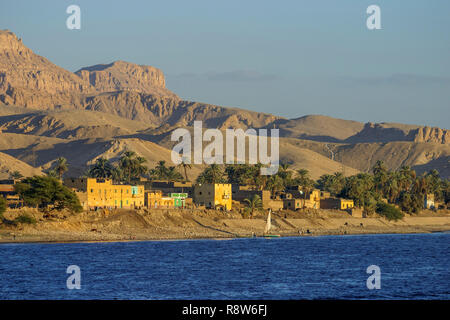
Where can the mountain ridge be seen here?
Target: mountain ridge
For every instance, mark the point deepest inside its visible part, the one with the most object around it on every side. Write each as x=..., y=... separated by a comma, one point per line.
x=52, y=111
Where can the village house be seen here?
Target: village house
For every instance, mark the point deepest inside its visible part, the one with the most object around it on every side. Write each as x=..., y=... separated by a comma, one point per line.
x=292, y=204
x=103, y=193
x=298, y=198
x=240, y=193
x=213, y=195
x=336, y=203
x=155, y=199
x=8, y=192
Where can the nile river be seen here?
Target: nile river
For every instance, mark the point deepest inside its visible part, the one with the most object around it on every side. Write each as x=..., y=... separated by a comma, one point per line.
x=327, y=267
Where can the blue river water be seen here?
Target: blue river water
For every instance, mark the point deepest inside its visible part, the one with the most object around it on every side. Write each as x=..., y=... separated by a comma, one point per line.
x=327, y=267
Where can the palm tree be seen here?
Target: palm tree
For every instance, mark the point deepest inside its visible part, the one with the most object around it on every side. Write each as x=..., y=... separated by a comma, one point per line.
x=284, y=167
x=173, y=175
x=184, y=165
x=253, y=204
x=101, y=169
x=52, y=173
x=392, y=188
x=116, y=174
x=380, y=174
x=275, y=183
x=160, y=171
x=434, y=183
x=212, y=174
x=61, y=167
x=139, y=167
x=131, y=165
x=216, y=173
x=125, y=164
x=16, y=175
x=285, y=173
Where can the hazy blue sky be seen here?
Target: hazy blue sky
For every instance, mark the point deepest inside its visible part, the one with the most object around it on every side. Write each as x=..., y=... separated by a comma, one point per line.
x=289, y=58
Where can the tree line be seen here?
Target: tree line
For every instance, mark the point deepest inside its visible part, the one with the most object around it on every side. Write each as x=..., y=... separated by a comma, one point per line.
x=402, y=188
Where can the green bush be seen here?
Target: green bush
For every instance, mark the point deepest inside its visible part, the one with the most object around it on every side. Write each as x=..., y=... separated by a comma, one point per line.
x=24, y=218
x=389, y=211
x=45, y=191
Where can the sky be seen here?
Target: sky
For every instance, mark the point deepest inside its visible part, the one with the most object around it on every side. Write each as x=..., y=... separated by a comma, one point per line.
x=288, y=58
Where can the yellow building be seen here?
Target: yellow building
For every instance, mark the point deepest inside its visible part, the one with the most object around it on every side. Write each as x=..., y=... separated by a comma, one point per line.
x=103, y=193
x=154, y=199
x=214, y=196
x=347, y=204
x=312, y=199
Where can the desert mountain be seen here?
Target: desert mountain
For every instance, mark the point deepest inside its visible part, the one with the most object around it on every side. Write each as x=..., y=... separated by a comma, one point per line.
x=121, y=75
x=120, y=88
x=47, y=112
x=66, y=124
x=22, y=69
x=318, y=128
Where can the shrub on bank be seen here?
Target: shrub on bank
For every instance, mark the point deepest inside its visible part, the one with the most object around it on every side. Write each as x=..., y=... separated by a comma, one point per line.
x=389, y=211
x=26, y=219
x=45, y=191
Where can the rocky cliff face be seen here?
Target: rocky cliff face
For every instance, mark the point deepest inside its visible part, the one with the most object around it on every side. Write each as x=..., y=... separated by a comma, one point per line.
x=389, y=132
x=29, y=80
x=23, y=70
x=435, y=135
x=125, y=89
x=121, y=75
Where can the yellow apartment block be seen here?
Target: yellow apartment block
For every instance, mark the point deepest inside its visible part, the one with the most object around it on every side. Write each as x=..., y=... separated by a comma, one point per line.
x=213, y=196
x=103, y=193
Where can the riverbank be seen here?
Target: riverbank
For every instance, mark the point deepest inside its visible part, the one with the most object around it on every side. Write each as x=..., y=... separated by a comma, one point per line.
x=162, y=224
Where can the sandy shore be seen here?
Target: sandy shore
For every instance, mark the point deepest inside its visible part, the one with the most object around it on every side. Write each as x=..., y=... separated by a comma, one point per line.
x=164, y=224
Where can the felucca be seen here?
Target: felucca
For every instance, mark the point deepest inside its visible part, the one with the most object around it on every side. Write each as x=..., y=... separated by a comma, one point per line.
x=269, y=226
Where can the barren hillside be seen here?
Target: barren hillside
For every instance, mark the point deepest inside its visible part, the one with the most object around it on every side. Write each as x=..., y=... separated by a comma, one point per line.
x=9, y=164
x=47, y=112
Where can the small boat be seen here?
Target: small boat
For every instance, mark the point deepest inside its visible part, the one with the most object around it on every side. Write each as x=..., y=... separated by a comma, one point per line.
x=269, y=226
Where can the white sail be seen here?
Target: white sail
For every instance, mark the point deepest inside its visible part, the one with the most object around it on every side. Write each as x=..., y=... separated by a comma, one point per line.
x=268, y=224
